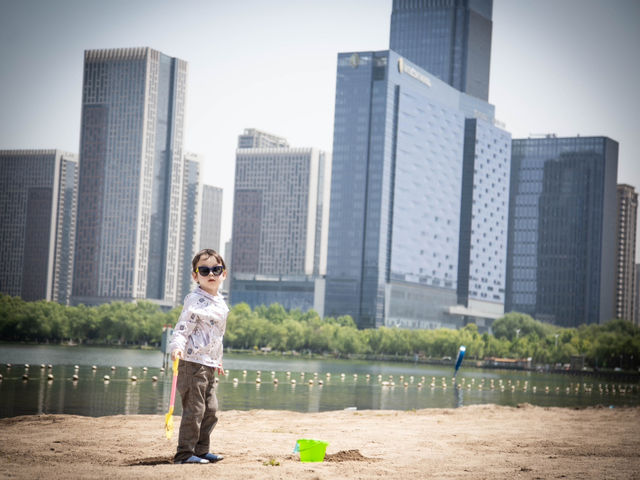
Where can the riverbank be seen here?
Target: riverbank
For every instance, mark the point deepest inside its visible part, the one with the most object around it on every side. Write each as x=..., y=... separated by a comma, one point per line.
x=475, y=442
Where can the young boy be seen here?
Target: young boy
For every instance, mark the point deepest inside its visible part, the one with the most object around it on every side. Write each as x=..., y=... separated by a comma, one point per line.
x=197, y=342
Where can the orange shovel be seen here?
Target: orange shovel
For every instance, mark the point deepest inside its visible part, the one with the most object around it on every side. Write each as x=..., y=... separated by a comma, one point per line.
x=168, y=419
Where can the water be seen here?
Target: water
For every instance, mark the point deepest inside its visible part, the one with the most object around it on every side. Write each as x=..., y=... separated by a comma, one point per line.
x=347, y=385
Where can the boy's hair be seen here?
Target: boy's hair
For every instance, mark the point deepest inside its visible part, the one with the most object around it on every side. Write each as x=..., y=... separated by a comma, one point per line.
x=207, y=252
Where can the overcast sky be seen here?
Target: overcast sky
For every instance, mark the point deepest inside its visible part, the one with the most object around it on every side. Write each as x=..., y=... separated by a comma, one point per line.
x=567, y=67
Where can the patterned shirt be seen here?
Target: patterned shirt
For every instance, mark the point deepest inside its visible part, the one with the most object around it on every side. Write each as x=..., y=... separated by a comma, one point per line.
x=200, y=328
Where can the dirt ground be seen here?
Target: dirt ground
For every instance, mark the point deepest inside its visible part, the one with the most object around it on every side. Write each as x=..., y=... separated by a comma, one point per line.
x=474, y=442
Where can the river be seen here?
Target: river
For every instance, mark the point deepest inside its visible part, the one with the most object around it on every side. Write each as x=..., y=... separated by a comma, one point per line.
x=257, y=381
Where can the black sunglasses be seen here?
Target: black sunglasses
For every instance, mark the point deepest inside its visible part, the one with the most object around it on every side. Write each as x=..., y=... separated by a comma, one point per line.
x=205, y=271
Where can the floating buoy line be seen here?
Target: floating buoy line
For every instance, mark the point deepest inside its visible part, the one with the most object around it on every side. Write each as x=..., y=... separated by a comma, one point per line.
x=315, y=380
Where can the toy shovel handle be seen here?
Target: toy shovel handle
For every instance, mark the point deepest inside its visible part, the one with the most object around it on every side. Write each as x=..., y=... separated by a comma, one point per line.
x=173, y=384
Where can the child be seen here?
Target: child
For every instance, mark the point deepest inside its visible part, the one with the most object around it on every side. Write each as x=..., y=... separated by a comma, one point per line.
x=197, y=342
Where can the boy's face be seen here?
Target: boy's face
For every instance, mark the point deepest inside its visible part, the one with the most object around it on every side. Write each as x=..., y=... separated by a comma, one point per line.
x=210, y=282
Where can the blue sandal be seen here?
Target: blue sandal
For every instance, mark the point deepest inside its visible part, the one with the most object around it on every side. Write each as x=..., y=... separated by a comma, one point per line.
x=211, y=457
x=194, y=459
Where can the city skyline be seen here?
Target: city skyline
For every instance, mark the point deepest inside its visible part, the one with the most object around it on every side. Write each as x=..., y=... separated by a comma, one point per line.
x=556, y=67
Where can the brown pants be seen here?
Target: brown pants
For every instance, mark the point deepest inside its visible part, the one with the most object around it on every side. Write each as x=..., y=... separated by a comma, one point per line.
x=199, y=409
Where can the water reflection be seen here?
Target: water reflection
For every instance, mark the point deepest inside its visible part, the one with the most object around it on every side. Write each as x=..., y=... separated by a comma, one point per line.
x=458, y=396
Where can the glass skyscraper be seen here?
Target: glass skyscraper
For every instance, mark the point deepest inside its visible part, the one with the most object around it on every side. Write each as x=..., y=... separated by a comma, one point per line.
x=279, y=223
x=562, y=229
x=419, y=199
x=131, y=167
x=450, y=39
x=38, y=200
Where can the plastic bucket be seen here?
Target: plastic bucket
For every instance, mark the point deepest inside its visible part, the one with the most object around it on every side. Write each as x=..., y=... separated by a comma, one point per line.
x=312, y=450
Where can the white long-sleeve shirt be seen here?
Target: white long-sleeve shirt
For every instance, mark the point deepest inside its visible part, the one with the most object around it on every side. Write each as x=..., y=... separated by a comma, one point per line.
x=200, y=328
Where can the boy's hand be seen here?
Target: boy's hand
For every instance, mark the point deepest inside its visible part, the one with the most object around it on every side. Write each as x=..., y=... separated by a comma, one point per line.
x=176, y=354
x=220, y=370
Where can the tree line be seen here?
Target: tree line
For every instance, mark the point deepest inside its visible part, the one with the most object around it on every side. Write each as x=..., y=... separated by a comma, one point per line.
x=615, y=344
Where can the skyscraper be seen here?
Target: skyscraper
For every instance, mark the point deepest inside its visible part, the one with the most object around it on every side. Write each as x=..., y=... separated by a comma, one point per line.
x=131, y=167
x=279, y=224
x=450, y=39
x=627, y=201
x=254, y=138
x=636, y=320
x=190, y=220
x=38, y=200
x=419, y=198
x=211, y=217
x=562, y=229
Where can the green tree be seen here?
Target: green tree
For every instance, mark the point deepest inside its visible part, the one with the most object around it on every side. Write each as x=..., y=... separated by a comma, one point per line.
x=515, y=324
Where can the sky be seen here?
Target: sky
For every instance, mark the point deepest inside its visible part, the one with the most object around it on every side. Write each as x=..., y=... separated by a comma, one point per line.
x=568, y=67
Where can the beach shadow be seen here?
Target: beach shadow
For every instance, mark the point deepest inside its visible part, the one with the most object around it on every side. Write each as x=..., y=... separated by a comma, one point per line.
x=341, y=456
x=145, y=462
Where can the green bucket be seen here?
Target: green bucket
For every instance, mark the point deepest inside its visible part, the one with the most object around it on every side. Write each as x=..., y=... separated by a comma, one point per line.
x=312, y=450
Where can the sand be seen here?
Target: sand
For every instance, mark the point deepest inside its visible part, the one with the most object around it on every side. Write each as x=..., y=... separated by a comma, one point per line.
x=474, y=442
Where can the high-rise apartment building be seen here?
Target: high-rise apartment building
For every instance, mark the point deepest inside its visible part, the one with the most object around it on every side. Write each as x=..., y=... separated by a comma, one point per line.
x=211, y=217
x=253, y=138
x=636, y=319
x=190, y=220
x=625, y=285
x=131, y=167
x=419, y=199
x=562, y=229
x=279, y=224
x=450, y=39
x=38, y=202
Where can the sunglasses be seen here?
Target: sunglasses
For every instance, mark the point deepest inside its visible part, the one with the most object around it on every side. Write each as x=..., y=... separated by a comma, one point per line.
x=205, y=271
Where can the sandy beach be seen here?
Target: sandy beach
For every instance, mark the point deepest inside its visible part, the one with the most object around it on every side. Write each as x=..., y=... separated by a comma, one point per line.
x=474, y=442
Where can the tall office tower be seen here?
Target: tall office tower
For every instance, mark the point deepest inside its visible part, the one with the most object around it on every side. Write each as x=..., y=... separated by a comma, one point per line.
x=227, y=255
x=625, y=285
x=38, y=203
x=252, y=138
x=450, y=39
x=279, y=226
x=190, y=220
x=419, y=198
x=562, y=229
x=636, y=302
x=211, y=218
x=131, y=167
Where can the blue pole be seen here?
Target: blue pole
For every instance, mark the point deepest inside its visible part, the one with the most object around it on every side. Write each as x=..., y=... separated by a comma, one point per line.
x=459, y=359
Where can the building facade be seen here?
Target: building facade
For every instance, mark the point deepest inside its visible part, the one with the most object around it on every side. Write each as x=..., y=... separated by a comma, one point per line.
x=211, y=218
x=38, y=196
x=450, y=39
x=130, y=186
x=189, y=219
x=254, y=138
x=636, y=320
x=419, y=199
x=625, y=286
x=562, y=229
x=279, y=225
